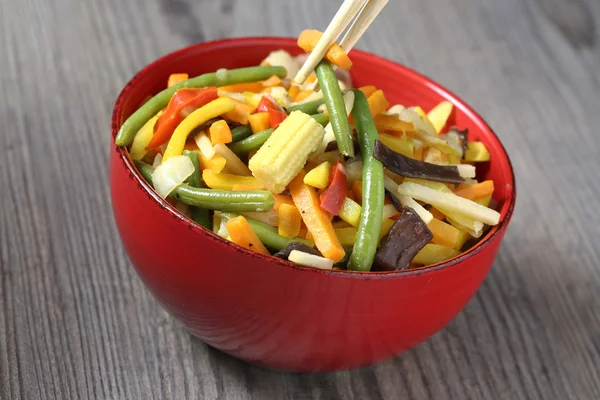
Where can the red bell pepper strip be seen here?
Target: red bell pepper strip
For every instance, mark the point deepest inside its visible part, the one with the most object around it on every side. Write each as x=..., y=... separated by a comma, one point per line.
x=183, y=103
x=276, y=113
x=333, y=197
x=268, y=102
x=276, y=117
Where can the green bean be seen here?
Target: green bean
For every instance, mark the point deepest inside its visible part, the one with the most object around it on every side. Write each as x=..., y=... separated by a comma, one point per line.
x=321, y=118
x=335, y=107
x=307, y=107
x=268, y=234
x=160, y=101
x=200, y=215
x=251, y=143
x=212, y=199
x=194, y=179
x=367, y=236
x=240, y=132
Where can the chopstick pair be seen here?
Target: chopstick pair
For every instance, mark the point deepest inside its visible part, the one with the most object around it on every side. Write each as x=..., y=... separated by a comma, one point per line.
x=360, y=13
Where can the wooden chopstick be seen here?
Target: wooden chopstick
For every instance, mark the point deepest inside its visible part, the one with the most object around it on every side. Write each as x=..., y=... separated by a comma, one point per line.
x=366, y=15
x=340, y=21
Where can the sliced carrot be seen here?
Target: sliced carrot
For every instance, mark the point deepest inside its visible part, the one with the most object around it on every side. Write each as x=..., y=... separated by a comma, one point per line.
x=377, y=102
x=288, y=221
x=214, y=165
x=368, y=90
x=437, y=214
x=302, y=95
x=240, y=113
x=357, y=191
x=174, y=79
x=443, y=233
x=241, y=233
x=281, y=199
x=241, y=187
x=293, y=91
x=335, y=54
x=307, y=201
x=259, y=121
x=254, y=87
x=220, y=133
x=477, y=190
x=272, y=81
x=385, y=122
x=190, y=145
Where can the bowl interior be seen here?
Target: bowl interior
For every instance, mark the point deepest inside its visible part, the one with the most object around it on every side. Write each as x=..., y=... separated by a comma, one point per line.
x=401, y=85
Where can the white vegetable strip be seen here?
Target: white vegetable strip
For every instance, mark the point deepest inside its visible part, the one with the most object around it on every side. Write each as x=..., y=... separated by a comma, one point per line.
x=389, y=211
x=465, y=170
x=170, y=174
x=233, y=164
x=406, y=201
x=310, y=260
x=451, y=202
x=157, y=160
x=268, y=217
x=205, y=145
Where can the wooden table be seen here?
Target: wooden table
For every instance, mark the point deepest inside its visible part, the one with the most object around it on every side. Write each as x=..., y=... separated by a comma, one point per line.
x=77, y=323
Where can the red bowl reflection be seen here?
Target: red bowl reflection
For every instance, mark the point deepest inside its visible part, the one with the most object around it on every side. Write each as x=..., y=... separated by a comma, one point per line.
x=271, y=312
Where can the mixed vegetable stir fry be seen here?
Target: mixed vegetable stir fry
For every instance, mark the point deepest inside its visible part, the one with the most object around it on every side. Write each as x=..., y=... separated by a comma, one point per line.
x=315, y=172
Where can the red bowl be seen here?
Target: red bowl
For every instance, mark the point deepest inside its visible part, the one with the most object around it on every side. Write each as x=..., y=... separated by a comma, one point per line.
x=271, y=312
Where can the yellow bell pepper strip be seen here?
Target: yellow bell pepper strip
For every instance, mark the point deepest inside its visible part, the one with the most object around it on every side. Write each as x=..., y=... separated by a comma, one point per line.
x=400, y=145
x=476, y=152
x=433, y=254
x=288, y=221
x=439, y=115
x=318, y=176
x=306, y=200
x=241, y=233
x=142, y=138
x=213, y=109
x=227, y=181
x=350, y=212
x=174, y=79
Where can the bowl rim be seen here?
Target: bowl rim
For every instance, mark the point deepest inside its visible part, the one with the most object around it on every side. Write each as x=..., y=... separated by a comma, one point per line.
x=209, y=234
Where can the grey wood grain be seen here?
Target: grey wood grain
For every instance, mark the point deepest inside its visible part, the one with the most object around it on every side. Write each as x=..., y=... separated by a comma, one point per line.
x=76, y=322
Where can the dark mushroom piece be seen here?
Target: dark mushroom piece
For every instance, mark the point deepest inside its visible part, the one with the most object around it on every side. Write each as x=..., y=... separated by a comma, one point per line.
x=410, y=168
x=408, y=235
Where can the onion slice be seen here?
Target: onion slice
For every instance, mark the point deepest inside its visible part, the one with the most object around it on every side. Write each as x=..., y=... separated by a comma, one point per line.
x=170, y=174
